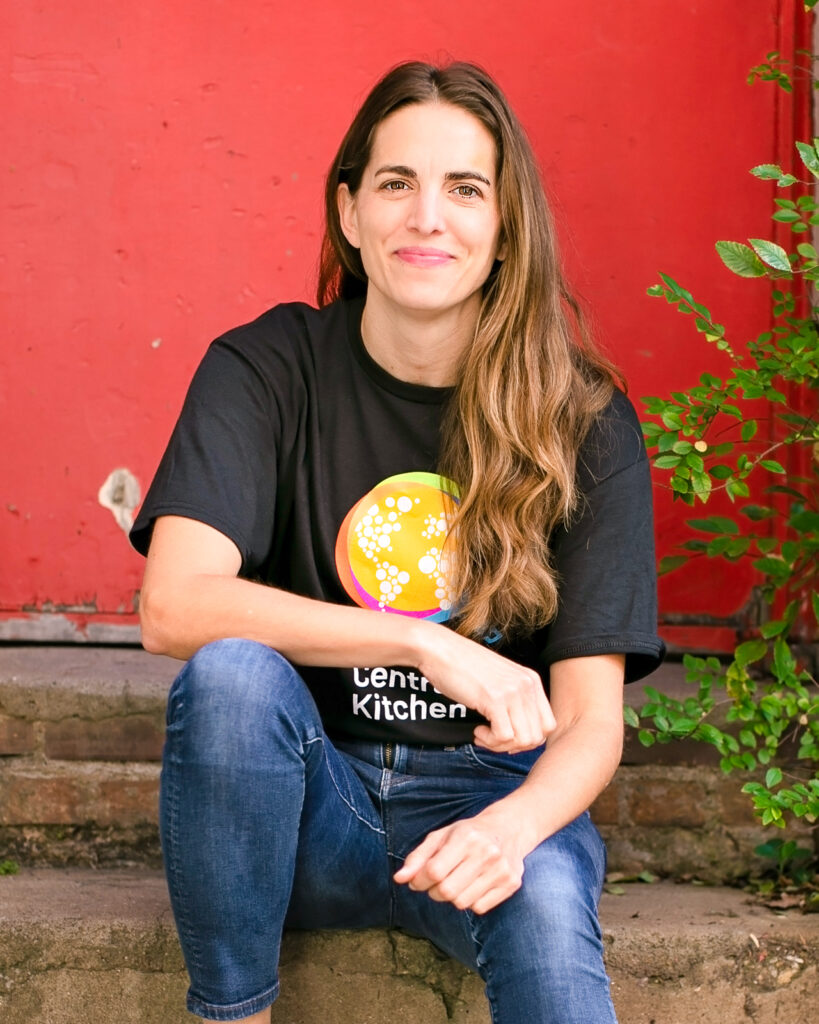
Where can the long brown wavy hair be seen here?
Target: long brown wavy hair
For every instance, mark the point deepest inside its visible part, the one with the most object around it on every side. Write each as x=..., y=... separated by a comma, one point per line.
x=529, y=386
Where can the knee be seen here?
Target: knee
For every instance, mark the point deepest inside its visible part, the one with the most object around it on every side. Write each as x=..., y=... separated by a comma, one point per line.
x=235, y=695
x=556, y=904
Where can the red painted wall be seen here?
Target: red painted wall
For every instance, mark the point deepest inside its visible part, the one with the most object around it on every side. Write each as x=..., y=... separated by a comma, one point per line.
x=161, y=179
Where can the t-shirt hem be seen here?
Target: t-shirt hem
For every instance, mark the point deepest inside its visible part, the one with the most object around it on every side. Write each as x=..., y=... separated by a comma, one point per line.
x=643, y=653
x=140, y=535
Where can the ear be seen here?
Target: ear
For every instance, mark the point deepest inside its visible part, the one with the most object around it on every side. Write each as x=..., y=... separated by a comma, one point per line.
x=347, y=215
x=503, y=248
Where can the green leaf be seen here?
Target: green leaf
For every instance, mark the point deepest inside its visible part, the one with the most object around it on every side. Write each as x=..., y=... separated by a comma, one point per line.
x=767, y=172
x=671, y=562
x=771, y=253
x=714, y=524
x=667, y=461
x=672, y=418
x=807, y=250
x=630, y=717
x=751, y=650
x=749, y=429
x=772, y=465
x=809, y=157
x=756, y=513
x=784, y=663
x=740, y=259
x=773, y=628
x=805, y=521
x=773, y=776
x=737, y=489
x=786, y=217
x=814, y=597
x=646, y=738
x=776, y=567
x=655, y=291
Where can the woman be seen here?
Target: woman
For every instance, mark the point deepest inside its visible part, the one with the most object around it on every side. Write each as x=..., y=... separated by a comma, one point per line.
x=382, y=533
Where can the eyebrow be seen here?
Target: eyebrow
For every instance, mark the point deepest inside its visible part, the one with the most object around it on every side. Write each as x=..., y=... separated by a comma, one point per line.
x=408, y=172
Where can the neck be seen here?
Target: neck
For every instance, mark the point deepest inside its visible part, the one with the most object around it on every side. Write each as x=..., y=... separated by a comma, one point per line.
x=418, y=347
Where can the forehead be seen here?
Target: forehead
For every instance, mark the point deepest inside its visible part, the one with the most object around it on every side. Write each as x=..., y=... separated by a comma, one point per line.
x=433, y=136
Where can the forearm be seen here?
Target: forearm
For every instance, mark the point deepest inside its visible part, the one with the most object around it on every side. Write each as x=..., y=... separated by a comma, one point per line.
x=192, y=595
x=581, y=755
x=181, y=616
x=571, y=773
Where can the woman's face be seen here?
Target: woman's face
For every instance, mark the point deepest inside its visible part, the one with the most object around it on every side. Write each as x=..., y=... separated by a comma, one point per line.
x=426, y=216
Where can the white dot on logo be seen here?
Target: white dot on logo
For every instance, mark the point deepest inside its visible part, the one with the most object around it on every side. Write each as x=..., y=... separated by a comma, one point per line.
x=427, y=565
x=404, y=504
x=403, y=577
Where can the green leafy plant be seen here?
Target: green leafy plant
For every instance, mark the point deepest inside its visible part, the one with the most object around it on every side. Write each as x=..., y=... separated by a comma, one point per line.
x=789, y=865
x=9, y=867
x=752, y=433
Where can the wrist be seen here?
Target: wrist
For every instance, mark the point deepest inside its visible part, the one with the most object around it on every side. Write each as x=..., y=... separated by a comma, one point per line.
x=424, y=640
x=511, y=823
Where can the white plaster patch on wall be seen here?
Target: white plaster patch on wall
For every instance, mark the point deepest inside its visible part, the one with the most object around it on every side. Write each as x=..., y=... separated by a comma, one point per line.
x=121, y=494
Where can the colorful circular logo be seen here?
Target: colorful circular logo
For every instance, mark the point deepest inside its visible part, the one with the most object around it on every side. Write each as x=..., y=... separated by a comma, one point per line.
x=390, y=548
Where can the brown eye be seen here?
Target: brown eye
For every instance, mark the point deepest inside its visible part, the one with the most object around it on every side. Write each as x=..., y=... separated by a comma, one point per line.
x=467, y=191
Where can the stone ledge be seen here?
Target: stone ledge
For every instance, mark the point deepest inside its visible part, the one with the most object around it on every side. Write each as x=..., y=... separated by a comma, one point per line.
x=81, y=730
x=100, y=946
x=86, y=703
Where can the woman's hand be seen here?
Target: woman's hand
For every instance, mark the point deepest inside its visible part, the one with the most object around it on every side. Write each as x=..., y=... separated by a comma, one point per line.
x=475, y=863
x=509, y=696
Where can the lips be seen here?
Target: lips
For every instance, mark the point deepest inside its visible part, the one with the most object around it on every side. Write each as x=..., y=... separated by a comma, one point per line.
x=418, y=256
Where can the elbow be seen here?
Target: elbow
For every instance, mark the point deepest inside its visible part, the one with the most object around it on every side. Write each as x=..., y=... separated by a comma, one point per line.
x=156, y=623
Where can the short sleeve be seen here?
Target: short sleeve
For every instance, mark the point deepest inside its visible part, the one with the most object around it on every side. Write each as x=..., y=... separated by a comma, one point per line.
x=220, y=464
x=605, y=558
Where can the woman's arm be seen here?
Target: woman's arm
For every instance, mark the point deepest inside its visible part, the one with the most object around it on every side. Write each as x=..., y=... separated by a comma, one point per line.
x=191, y=595
x=478, y=862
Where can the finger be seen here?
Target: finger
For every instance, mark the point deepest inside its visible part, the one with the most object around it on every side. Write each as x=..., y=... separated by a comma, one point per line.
x=500, y=725
x=444, y=861
x=492, y=898
x=417, y=858
x=484, y=868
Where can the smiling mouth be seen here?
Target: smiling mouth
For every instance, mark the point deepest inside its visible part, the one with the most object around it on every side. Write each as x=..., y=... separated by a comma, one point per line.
x=418, y=257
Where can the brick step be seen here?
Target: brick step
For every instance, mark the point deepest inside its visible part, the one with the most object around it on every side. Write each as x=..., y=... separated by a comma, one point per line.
x=81, y=732
x=79, y=945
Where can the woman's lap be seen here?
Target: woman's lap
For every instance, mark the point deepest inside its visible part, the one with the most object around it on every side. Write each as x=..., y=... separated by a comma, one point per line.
x=254, y=798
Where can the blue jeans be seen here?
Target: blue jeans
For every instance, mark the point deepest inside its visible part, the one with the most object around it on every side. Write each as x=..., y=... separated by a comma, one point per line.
x=265, y=823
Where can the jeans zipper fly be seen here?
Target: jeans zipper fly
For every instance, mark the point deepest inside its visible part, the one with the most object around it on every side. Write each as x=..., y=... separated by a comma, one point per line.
x=389, y=755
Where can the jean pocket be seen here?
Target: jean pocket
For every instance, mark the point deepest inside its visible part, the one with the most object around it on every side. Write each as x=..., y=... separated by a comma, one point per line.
x=500, y=763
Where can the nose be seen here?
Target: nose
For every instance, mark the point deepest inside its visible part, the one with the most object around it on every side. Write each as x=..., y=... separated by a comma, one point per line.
x=426, y=214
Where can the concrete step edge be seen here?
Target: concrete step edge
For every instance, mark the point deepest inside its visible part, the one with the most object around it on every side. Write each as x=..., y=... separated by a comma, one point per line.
x=63, y=929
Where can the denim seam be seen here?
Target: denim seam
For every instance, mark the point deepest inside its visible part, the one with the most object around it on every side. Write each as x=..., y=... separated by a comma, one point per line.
x=480, y=960
x=344, y=800
x=173, y=866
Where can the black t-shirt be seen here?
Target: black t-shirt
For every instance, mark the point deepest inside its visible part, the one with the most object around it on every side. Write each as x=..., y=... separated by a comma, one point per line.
x=321, y=468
